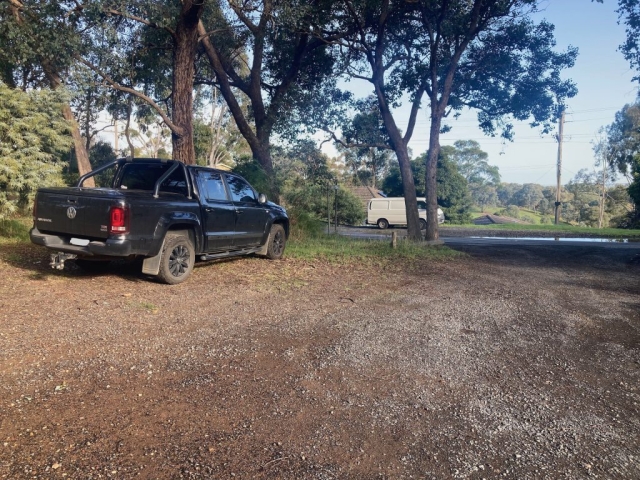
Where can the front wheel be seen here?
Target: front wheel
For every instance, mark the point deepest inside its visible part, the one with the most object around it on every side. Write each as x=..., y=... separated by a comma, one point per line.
x=276, y=243
x=178, y=258
x=423, y=224
x=383, y=224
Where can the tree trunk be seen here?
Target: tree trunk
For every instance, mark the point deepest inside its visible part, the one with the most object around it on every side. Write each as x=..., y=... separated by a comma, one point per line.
x=258, y=139
x=127, y=131
x=402, y=153
x=82, y=157
x=409, y=190
x=184, y=53
x=431, y=184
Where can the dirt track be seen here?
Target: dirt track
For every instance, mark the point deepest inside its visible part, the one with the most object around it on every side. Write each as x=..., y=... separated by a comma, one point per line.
x=512, y=362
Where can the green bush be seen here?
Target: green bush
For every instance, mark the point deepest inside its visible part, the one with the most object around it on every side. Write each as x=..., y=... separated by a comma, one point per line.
x=253, y=172
x=34, y=136
x=312, y=199
x=15, y=229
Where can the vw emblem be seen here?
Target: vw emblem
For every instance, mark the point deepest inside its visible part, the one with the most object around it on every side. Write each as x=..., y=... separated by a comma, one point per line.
x=71, y=213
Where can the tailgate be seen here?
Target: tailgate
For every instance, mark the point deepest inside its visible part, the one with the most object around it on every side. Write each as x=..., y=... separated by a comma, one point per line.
x=75, y=212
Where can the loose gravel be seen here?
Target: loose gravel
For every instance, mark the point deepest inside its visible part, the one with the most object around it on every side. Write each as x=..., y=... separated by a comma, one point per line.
x=511, y=362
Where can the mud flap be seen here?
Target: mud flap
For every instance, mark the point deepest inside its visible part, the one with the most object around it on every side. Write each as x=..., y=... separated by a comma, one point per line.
x=151, y=265
x=263, y=250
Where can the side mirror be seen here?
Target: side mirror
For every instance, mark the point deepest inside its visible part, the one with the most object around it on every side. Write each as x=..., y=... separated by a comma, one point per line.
x=262, y=198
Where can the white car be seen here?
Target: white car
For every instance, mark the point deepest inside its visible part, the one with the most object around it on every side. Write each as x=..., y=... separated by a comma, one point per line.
x=392, y=211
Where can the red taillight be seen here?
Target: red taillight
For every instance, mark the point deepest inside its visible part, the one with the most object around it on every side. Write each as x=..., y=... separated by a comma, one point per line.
x=119, y=220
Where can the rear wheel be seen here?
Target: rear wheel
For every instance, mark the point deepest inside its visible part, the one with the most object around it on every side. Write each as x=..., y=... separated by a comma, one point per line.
x=423, y=224
x=383, y=224
x=277, y=242
x=178, y=258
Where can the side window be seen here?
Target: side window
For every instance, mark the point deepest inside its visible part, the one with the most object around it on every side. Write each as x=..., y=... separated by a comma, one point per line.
x=214, y=187
x=241, y=191
x=422, y=205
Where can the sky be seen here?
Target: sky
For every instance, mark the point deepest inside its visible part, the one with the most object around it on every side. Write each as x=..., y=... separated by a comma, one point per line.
x=603, y=78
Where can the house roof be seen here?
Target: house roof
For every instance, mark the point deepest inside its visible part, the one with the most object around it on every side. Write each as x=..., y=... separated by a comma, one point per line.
x=365, y=194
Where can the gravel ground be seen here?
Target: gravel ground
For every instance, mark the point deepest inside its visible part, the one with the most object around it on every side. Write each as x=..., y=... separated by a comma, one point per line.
x=519, y=362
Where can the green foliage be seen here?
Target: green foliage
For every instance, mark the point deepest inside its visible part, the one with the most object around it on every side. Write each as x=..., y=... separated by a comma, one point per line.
x=629, y=11
x=36, y=40
x=511, y=211
x=472, y=162
x=453, y=194
x=33, y=138
x=15, y=229
x=529, y=196
x=304, y=225
x=624, y=151
x=312, y=199
x=100, y=154
x=253, y=172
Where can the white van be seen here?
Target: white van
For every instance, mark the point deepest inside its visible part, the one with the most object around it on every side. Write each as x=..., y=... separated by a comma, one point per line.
x=392, y=211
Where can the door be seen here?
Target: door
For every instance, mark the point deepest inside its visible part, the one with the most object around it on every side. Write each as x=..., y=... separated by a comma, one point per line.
x=251, y=217
x=397, y=212
x=218, y=212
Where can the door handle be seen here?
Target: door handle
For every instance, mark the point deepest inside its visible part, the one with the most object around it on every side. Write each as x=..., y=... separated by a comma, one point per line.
x=239, y=211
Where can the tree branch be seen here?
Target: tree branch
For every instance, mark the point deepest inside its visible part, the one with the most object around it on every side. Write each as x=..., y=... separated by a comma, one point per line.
x=334, y=137
x=116, y=86
x=140, y=20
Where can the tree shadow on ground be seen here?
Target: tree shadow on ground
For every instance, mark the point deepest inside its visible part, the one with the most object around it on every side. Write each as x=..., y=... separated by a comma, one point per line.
x=35, y=260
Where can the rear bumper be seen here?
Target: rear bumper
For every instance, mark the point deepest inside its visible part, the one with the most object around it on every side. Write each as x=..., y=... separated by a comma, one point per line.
x=111, y=247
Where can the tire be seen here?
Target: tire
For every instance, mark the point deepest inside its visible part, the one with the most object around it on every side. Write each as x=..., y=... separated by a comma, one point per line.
x=92, y=266
x=383, y=224
x=423, y=224
x=276, y=243
x=178, y=258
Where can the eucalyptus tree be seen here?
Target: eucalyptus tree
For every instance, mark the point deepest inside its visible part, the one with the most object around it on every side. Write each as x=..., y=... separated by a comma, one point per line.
x=276, y=56
x=629, y=11
x=147, y=50
x=623, y=148
x=488, y=55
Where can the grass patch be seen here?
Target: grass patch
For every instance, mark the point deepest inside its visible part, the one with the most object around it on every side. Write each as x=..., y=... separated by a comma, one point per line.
x=566, y=229
x=15, y=229
x=342, y=249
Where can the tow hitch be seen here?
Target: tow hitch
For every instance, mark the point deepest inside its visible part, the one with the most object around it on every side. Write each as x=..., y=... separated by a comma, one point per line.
x=58, y=259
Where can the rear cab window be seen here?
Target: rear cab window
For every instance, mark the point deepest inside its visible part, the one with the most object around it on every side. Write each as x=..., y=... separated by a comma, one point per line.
x=143, y=176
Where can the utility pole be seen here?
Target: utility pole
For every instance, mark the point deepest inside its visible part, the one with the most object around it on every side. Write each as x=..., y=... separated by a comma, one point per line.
x=559, y=186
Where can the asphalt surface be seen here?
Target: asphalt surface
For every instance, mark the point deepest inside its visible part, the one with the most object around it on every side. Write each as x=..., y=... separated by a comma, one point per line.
x=374, y=233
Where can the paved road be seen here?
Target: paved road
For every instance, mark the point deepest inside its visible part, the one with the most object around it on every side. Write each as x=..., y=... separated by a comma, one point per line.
x=375, y=234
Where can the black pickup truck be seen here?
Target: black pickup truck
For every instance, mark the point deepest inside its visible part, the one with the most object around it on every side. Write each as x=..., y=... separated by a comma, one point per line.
x=165, y=212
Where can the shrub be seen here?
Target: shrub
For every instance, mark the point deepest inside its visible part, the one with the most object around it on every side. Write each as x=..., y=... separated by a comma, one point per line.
x=33, y=138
